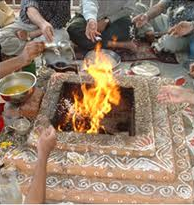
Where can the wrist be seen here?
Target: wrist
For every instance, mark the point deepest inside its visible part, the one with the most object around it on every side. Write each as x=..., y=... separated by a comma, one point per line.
x=91, y=20
x=43, y=156
x=24, y=60
x=147, y=16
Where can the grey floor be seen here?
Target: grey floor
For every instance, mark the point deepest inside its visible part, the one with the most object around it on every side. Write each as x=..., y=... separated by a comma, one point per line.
x=170, y=71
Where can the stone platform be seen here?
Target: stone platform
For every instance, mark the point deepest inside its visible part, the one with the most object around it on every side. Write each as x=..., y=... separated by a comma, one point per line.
x=152, y=167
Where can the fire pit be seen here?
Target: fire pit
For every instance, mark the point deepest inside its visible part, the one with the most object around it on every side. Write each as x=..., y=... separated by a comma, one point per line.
x=120, y=119
x=137, y=153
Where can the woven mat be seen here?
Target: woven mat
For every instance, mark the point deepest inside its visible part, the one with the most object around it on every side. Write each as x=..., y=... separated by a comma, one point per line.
x=144, y=52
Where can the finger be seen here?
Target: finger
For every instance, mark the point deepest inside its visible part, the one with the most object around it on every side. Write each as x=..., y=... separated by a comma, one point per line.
x=87, y=34
x=92, y=37
x=142, y=18
x=41, y=47
x=175, y=33
x=164, y=89
x=162, y=96
x=51, y=129
x=47, y=37
x=135, y=19
x=50, y=35
x=171, y=29
x=97, y=33
x=52, y=31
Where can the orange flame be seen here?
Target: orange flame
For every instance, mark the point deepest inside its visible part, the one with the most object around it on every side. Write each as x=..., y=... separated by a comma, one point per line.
x=97, y=100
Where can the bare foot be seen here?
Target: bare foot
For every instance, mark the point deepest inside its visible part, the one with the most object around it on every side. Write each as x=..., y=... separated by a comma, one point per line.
x=22, y=35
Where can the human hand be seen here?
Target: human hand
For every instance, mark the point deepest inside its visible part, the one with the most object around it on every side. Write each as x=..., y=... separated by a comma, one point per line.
x=47, y=31
x=22, y=35
x=46, y=142
x=92, y=30
x=175, y=94
x=140, y=20
x=181, y=29
x=192, y=70
x=31, y=51
x=102, y=24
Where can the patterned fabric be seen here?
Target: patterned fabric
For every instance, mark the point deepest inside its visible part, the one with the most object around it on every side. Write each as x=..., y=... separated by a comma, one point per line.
x=56, y=12
x=179, y=10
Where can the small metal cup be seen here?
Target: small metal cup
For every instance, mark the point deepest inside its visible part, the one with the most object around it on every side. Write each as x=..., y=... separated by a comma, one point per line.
x=21, y=126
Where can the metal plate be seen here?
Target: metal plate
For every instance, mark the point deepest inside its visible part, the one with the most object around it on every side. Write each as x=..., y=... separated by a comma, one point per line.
x=145, y=68
x=115, y=59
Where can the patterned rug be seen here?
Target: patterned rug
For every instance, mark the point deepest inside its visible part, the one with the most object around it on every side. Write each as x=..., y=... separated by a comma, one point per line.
x=144, y=52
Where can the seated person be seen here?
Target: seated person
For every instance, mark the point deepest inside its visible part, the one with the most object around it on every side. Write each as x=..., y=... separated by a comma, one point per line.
x=105, y=19
x=175, y=94
x=180, y=24
x=36, y=18
x=31, y=50
x=6, y=14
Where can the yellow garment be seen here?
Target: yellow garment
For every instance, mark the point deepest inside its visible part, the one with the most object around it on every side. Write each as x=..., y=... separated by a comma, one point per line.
x=6, y=14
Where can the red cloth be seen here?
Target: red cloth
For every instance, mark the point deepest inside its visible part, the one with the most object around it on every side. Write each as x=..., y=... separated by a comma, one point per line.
x=1, y=118
x=1, y=107
x=1, y=123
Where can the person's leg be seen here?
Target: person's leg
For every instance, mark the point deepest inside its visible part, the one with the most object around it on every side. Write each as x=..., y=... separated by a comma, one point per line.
x=76, y=30
x=118, y=29
x=117, y=35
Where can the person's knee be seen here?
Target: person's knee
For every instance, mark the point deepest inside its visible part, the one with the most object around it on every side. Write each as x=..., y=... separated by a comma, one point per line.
x=77, y=35
x=77, y=25
x=119, y=30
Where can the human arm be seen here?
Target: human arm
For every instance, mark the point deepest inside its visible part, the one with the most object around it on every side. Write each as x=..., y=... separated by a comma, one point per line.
x=45, y=145
x=141, y=19
x=181, y=29
x=25, y=35
x=36, y=18
x=90, y=13
x=32, y=50
x=175, y=94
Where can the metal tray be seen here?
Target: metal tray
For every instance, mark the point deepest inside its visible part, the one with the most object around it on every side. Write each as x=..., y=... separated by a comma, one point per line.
x=145, y=68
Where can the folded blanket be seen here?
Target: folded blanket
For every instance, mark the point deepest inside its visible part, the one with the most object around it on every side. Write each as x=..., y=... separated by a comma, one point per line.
x=6, y=14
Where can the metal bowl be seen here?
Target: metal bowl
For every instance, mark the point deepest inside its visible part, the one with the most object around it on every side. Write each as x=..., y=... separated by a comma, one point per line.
x=114, y=58
x=19, y=78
